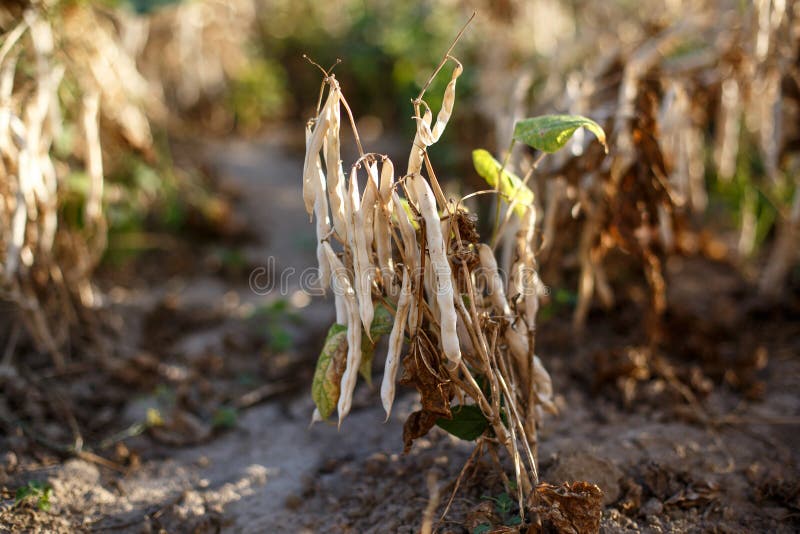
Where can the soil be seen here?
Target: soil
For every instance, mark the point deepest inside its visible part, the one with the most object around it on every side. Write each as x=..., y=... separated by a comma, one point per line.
x=696, y=434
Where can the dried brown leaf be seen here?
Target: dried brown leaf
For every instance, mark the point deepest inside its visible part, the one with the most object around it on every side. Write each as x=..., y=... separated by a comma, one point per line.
x=574, y=508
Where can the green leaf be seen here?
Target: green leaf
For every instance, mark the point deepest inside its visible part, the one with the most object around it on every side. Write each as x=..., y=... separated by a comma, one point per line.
x=326, y=385
x=224, y=417
x=514, y=521
x=367, y=355
x=504, y=503
x=483, y=528
x=41, y=491
x=550, y=133
x=510, y=186
x=468, y=422
x=409, y=212
x=382, y=322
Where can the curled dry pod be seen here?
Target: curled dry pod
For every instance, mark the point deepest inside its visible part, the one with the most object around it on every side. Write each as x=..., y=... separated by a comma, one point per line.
x=340, y=284
x=426, y=136
x=442, y=283
x=395, y=345
x=415, y=158
x=333, y=162
x=429, y=136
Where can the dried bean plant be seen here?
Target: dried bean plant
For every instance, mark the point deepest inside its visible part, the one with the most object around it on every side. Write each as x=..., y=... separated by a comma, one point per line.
x=66, y=82
x=685, y=115
x=402, y=259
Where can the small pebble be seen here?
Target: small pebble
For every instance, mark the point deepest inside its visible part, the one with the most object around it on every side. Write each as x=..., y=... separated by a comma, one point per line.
x=652, y=507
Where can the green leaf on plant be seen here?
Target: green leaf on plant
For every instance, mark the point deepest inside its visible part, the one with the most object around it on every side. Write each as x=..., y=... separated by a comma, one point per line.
x=409, y=212
x=326, y=385
x=483, y=528
x=510, y=186
x=468, y=422
x=550, y=133
x=504, y=503
x=382, y=322
x=41, y=491
x=367, y=355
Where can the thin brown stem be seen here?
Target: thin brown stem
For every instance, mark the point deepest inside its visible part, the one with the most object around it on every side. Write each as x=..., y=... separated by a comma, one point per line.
x=444, y=58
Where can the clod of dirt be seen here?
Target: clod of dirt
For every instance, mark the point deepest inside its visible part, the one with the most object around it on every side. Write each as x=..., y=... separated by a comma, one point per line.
x=570, y=508
x=181, y=429
x=772, y=485
x=585, y=466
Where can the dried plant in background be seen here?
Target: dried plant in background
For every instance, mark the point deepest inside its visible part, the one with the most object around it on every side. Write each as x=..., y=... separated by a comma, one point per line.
x=663, y=94
x=48, y=259
x=76, y=109
x=410, y=264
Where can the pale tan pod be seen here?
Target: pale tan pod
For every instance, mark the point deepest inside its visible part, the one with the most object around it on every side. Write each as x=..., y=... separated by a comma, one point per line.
x=517, y=342
x=494, y=283
x=314, y=139
x=383, y=236
x=443, y=285
x=341, y=307
x=395, y=345
x=369, y=200
x=360, y=253
x=333, y=163
x=348, y=384
x=429, y=136
x=322, y=230
x=543, y=385
x=340, y=284
x=408, y=234
x=415, y=158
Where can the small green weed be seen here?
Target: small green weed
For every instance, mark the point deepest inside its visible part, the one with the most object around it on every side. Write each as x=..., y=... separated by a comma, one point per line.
x=42, y=492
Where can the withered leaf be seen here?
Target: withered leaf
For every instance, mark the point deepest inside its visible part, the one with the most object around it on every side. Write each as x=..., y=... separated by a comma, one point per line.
x=418, y=424
x=424, y=371
x=574, y=508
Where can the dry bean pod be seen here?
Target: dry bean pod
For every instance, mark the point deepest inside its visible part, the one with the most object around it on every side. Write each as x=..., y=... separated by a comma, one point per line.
x=443, y=285
x=340, y=284
x=395, y=345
